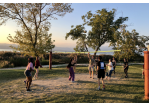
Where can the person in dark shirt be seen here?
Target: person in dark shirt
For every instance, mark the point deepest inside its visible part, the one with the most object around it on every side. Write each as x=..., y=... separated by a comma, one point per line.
x=114, y=64
x=70, y=67
x=37, y=64
x=125, y=68
x=101, y=68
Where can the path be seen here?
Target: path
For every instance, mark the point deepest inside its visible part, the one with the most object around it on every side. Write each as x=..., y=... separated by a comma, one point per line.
x=61, y=65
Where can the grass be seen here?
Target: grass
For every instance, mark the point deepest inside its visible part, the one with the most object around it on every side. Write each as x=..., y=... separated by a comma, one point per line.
x=124, y=90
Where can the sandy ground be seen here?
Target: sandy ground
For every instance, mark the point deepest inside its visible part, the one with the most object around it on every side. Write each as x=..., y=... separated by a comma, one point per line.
x=47, y=87
x=63, y=84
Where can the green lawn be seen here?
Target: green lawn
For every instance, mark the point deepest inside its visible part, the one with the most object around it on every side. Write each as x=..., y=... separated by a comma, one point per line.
x=124, y=90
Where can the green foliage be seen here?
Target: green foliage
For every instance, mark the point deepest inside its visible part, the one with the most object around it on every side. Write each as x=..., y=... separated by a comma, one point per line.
x=43, y=45
x=131, y=44
x=103, y=27
x=34, y=21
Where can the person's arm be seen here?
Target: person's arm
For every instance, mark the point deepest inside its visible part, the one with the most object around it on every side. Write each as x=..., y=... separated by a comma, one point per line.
x=40, y=65
x=97, y=69
x=31, y=67
x=111, y=64
x=125, y=65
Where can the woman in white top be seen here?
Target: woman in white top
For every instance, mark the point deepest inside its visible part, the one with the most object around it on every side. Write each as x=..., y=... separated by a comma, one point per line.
x=110, y=69
x=27, y=73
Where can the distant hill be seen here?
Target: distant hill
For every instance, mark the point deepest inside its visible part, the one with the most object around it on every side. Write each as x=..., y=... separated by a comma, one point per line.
x=62, y=49
x=6, y=46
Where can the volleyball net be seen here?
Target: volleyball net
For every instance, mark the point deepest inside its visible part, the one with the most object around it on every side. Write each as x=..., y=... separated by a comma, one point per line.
x=87, y=52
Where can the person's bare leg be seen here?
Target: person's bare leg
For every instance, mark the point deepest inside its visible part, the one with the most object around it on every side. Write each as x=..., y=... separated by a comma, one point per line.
x=27, y=80
x=98, y=82
x=29, y=83
x=35, y=74
x=90, y=73
x=37, y=71
x=103, y=84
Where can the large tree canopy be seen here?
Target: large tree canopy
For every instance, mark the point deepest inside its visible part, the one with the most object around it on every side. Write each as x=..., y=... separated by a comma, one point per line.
x=103, y=26
x=32, y=17
x=131, y=44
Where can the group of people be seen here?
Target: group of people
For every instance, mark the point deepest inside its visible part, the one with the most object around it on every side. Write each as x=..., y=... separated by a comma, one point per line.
x=28, y=71
x=100, y=68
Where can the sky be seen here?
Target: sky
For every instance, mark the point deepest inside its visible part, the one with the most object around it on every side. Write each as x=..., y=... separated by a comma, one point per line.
x=137, y=13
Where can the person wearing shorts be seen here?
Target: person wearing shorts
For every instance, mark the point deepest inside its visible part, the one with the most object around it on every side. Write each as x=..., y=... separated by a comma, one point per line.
x=37, y=64
x=27, y=73
x=91, y=65
x=101, y=68
x=126, y=68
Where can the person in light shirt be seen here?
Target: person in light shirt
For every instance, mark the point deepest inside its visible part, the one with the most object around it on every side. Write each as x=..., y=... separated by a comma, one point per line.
x=110, y=69
x=27, y=73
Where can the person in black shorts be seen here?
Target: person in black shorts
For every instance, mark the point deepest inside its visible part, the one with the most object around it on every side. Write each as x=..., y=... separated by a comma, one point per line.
x=101, y=68
x=125, y=68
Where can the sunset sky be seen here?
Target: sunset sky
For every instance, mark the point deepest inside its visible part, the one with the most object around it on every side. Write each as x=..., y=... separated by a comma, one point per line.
x=137, y=13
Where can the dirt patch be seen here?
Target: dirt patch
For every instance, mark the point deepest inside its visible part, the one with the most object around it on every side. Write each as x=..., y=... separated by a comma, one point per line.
x=40, y=88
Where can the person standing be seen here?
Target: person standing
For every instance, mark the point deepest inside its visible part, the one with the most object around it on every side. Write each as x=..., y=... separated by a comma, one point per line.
x=110, y=69
x=71, y=72
x=37, y=64
x=114, y=64
x=126, y=68
x=100, y=72
x=27, y=73
x=91, y=65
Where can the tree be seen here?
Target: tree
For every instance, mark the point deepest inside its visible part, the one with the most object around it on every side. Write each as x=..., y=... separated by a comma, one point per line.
x=32, y=17
x=131, y=44
x=44, y=42
x=103, y=27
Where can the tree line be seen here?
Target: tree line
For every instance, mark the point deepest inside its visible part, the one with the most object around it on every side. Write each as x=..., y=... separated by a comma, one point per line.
x=34, y=39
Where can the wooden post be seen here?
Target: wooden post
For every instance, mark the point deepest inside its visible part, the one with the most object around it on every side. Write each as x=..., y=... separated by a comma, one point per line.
x=50, y=60
x=146, y=72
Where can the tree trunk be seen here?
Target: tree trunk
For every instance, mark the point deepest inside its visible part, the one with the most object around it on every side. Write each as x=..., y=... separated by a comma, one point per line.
x=95, y=51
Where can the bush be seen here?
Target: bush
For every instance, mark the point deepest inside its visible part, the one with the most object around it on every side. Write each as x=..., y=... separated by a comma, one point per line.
x=23, y=61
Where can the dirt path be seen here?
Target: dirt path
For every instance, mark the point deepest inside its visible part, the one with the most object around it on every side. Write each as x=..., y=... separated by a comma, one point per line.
x=63, y=84
x=40, y=88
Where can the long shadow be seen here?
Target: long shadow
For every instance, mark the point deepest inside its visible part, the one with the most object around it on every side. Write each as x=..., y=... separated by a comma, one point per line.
x=125, y=99
x=123, y=91
x=90, y=98
x=85, y=81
